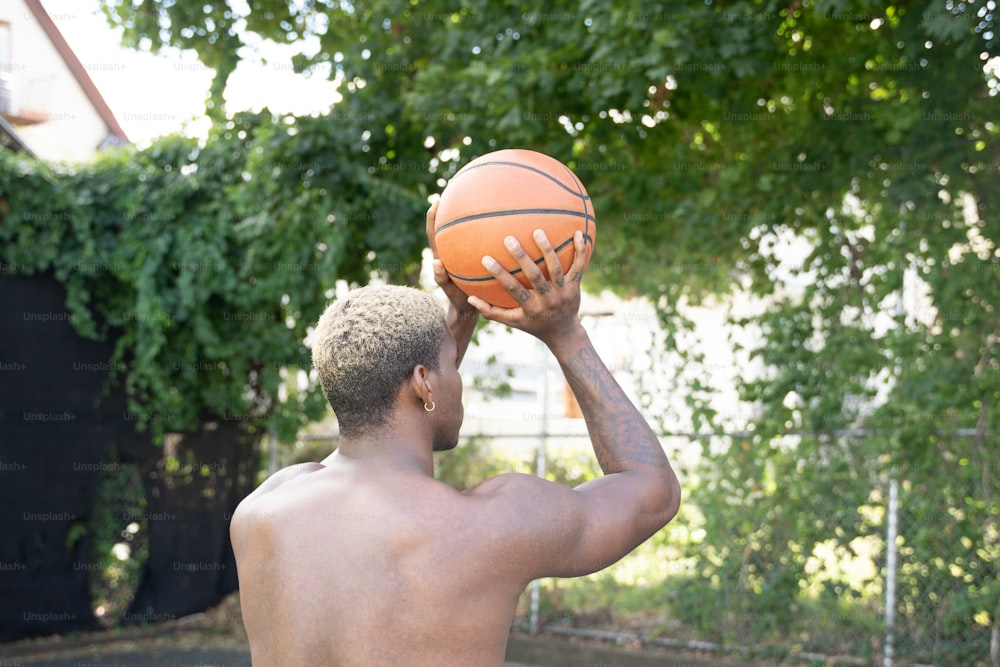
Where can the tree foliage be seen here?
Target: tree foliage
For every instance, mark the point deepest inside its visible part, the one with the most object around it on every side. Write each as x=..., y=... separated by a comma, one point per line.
x=711, y=136
x=207, y=264
x=693, y=126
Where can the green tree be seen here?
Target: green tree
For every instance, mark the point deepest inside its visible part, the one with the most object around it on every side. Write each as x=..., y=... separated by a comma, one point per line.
x=208, y=264
x=205, y=264
x=709, y=136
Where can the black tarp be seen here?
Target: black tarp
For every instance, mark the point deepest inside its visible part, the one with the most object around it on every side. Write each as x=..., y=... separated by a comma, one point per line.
x=57, y=428
x=191, y=565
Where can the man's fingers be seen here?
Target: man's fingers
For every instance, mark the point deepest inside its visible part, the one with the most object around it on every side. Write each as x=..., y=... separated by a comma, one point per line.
x=443, y=280
x=484, y=307
x=528, y=305
x=528, y=267
x=440, y=274
x=579, y=257
x=458, y=298
x=513, y=286
x=431, y=212
x=506, y=316
x=551, y=260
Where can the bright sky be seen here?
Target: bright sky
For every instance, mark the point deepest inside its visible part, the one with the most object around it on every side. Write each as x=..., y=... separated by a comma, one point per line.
x=155, y=95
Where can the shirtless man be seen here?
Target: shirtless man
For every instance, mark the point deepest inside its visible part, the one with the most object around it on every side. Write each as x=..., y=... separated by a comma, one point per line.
x=365, y=560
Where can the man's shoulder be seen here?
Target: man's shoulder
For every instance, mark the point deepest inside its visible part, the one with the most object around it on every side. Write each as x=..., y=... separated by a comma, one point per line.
x=508, y=484
x=270, y=485
x=284, y=476
x=515, y=495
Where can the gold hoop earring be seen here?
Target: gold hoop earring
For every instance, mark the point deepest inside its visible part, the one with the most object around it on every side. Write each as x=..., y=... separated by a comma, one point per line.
x=430, y=409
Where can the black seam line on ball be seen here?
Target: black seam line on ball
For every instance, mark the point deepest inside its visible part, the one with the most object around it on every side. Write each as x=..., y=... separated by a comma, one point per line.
x=484, y=279
x=586, y=199
x=519, y=211
x=468, y=169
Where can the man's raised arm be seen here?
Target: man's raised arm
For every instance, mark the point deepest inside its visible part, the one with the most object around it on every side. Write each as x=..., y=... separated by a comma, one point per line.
x=461, y=317
x=597, y=523
x=622, y=439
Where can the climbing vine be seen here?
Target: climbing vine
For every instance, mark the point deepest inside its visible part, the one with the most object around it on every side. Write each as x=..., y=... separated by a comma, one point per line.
x=207, y=262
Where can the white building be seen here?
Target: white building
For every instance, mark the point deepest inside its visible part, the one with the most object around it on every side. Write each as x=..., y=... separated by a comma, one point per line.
x=49, y=105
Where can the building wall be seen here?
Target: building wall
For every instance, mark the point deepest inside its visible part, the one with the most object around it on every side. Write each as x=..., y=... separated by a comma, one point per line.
x=42, y=81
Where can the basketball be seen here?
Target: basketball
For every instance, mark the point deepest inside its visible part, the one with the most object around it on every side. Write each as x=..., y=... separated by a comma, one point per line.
x=510, y=192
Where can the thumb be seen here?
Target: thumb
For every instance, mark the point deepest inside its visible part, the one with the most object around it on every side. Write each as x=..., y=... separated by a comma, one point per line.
x=506, y=316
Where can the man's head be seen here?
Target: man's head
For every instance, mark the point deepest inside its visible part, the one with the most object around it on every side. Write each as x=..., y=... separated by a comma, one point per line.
x=369, y=343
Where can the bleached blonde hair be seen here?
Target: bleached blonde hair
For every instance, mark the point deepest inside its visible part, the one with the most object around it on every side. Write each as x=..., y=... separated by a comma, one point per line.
x=367, y=343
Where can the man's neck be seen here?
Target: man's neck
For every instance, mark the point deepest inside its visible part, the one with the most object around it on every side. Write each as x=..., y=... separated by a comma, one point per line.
x=387, y=451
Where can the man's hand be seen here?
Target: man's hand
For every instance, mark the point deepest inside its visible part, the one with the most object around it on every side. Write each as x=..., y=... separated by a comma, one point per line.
x=459, y=300
x=462, y=317
x=549, y=310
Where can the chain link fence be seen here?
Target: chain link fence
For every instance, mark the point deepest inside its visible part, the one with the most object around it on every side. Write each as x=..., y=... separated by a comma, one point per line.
x=939, y=581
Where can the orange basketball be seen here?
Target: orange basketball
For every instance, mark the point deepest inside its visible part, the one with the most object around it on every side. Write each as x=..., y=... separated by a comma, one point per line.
x=509, y=192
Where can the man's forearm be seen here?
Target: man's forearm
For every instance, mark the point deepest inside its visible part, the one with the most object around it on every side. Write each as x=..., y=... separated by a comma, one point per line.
x=462, y=326
x=621, y=437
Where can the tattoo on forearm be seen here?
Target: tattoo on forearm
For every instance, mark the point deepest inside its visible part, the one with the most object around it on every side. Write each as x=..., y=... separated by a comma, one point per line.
x=619, y=433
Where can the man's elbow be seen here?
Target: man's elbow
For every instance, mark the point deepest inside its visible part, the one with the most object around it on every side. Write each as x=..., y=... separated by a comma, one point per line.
x=668, y=500
x=674, y=502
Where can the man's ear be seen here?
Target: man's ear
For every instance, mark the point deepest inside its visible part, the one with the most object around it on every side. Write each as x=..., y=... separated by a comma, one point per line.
x=420, y=383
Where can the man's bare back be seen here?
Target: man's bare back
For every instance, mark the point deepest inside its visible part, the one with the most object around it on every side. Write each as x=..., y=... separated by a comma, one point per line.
x=367, y=560
x=352, y=564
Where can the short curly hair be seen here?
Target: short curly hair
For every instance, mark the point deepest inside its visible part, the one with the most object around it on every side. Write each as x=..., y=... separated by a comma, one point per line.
x=367, y=343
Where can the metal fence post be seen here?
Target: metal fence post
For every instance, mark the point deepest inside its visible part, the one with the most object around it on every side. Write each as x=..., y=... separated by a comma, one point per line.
x=890, y=573
x=891, y=524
